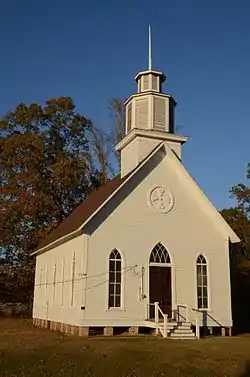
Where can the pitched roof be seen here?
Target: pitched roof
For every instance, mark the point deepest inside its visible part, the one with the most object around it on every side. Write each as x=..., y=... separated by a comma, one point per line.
x=83, y=211
x=89, y=206
x=96, y=200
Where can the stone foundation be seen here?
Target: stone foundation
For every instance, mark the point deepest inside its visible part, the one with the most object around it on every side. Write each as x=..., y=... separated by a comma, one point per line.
x=62, y=327
x=108, y=331
x=133, y=330
x=83, y=331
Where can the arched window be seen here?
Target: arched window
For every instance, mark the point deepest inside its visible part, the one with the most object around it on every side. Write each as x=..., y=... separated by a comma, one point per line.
x=202, y=284
x=159, y=254
x=115, y=269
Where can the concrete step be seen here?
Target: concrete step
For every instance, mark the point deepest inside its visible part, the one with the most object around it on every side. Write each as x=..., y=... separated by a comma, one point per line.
x=168, y=327
x=182, y=338
x=184, y=327
x=183, y=331
x=182, y=335
x=151, y=324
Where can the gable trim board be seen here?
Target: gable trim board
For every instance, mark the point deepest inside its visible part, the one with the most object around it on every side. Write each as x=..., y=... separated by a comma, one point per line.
x=227, y=230
x=157, y=134
x=180, y=170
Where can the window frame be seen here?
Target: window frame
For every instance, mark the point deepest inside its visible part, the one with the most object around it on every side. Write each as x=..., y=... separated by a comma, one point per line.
x=168, y=260
x=203, y=286
x=115, y=282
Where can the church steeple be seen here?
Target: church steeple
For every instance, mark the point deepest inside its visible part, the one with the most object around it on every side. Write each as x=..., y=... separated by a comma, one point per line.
x=149, y=118
x=150, y=108
x=149, y=48
x=149, y=80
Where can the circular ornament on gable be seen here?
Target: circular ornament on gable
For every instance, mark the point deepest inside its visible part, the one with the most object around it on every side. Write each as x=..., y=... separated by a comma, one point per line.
x=161, y=199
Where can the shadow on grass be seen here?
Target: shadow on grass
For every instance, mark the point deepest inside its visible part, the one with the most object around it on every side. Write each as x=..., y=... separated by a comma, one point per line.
x=246, y=373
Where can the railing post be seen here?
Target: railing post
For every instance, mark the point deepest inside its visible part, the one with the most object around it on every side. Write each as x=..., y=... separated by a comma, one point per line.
x=156, y=312
x=197, y=328
x=187, y=313
x=165, y=325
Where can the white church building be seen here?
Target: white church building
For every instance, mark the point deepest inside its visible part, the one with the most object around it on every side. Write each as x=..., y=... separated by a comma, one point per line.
x=148, y=249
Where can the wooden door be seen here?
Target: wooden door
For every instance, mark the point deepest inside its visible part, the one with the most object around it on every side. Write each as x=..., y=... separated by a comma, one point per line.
x=160, y=289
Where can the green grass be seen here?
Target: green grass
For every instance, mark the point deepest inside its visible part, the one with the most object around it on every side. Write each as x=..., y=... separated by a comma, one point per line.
x=28, y=351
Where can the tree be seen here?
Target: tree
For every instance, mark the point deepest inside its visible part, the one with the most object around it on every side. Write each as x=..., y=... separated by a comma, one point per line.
x=101, y=149
x=238, y=217
x=117, y=115
x=46, y=171
x=242, y=194
x=240, y=223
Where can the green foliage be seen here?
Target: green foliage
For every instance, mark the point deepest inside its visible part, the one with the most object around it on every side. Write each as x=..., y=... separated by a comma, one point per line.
x=16, y=281
x=45, y=172
x=117, y=116
x=238, y=217
x=240, y=223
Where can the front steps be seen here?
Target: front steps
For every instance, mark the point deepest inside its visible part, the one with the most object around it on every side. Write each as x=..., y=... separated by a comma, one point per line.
x=178, y=330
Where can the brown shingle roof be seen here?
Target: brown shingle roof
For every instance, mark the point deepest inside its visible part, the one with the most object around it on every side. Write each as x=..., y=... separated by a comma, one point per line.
x=83, y=211
x=88, y=207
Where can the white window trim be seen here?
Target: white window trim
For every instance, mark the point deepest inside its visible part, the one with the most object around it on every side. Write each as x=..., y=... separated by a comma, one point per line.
x=208, y=309
x=122, y=307
x=154, y=264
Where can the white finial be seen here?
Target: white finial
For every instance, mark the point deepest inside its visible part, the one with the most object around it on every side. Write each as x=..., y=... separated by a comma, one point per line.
x=149, y=48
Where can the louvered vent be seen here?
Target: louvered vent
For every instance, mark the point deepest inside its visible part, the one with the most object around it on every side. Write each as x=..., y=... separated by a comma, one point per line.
x=139, y=85
x=141, y=113
x=154, y=82
x=146, y=82
x=159, y=113
x=129, y=124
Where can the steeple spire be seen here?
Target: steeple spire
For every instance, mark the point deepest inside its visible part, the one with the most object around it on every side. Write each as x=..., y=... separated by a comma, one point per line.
x=150, y=80
x=149, y=118
x=149, y=49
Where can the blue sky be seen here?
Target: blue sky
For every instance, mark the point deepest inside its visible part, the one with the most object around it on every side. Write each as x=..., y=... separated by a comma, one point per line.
x=91, y=50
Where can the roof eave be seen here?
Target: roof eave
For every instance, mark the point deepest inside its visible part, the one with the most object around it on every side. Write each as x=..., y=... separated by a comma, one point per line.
x=80, y=229
x=57, y=242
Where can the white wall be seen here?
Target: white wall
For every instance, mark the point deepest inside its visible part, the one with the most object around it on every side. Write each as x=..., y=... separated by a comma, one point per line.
x=54, y=302
x=134, y=228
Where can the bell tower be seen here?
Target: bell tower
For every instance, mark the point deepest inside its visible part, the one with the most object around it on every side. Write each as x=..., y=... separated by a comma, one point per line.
x=149, y=118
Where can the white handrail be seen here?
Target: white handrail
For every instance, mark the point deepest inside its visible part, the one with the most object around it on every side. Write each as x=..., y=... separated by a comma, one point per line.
x=156, y=304
x=188, y=310
x=165, y=319
x=197, y=327
x=160, y=310
x=165, y=328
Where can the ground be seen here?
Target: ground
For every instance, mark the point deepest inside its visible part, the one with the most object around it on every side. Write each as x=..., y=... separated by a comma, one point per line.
x=28, y=351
